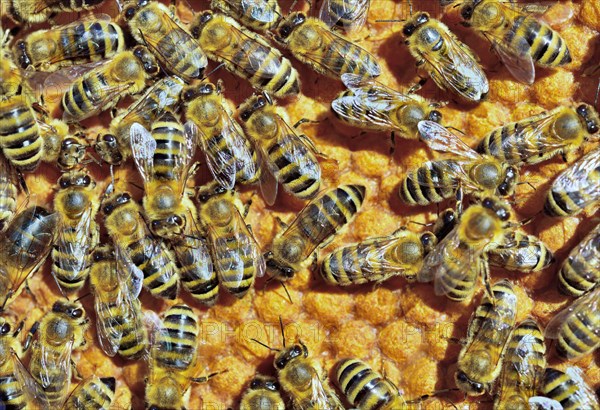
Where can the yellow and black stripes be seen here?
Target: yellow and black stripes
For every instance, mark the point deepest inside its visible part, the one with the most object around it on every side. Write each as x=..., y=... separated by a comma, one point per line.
x=578, y=334
x=84, y=96
x=11, y=392
x=168, y=133
x=429, y=183
x=572, y=394
x=196, y=269
x=8, y=193
x=24, y=11
x=95, y=393
x=20, y=138
x=157, y=264
x=580, y=272
x=176, y=341
x=521, y=252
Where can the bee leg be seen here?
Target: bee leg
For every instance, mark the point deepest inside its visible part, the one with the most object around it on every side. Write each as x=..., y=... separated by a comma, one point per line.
x=485, y=276
x=304, y=121
x=76, y=374
x=564, y=156
x=314, y=265
x=393, y=143
x=30, y=335
x=204, y=379
x=282, y=224
x=434, y=394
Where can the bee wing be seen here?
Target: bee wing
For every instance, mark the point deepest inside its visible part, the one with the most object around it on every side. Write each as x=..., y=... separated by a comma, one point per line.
x=351, y=10
x=268, y=183
x=184, y=160
x=147, y=107
x=164, y=47
x=589, y=249
x=260, y=10
x=448, y=174
x=337, y=47
x=544, y=403
x=438, y=138
x=576, y=177
x=321, y=398
x=590, y=302
x=520, y=65
x=108, y=95
x=143, y=146
x=459, y=69
x=129, y=273
x=583, y=394
x=51, y=362
x=109, y=333
x=33, y=392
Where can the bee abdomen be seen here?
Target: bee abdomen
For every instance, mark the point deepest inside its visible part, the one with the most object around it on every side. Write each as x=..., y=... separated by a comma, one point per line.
x=303, y=181
x=345, y=266
x=20, y=138
x=237, y=273
x=568, y=392
x=363, y=387
x=579, y=275
x=564, y=204
x=415, y=193
x=577, y=336
x=97, y=40
x=346, y=57
x=11, y=394
x=196, y=270
x=170, y=144
x=156, y=263
x=82, y=97
x=8, y=202
x=183, y=57
x=178, y=338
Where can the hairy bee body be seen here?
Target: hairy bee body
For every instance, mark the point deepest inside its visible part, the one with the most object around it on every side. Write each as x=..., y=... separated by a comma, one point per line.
x=156, y=25
x=366, y=389
x=119, y=322
x=523, y=368
x=8, y=193
x=318, y=222
x=114, y=147
x=38, y=11
x=60, y=148
x=173, y=358
x=92, y=39
x=259, y=15
x=580, y=272
x=77, y=233
x=378, y=259
x=125, y=225
x=61, y=331
x=246, y=54
x=521, y=40
x=521, y=252
x=349, y=15
x=95, y=393
x=234, y=251
x=230, y=156
x=262, y=394
x=312, y=42
x=101, y=88
x=13, y=393
x=480, y=360
x=23, y=248
x=569, y=389
x=538, y=138
x=290, y=157
x=577, y=327
x=576, y=188
x=449, y=62
x=370, y=105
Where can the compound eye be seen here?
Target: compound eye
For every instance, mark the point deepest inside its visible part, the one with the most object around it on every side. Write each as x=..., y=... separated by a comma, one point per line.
x=220, y=190
x=5, y=329
x=188, y=95
x=77, y=313
x=503, y=189
x=129, y=13
x=206, y=17
x=488, y=203
x=87, y=180
x=285, y=31
x=155, y=225
x=435, y=116
x=108, y=209
x=245, y=116
x=289, y=272
x=255, y=384
x=592, y=128
x=280, y=363
x=422, y=18
x=503, y=214
x=177, y=220
x=467, y=12
x=582, y=110
x=109, y=138
x=408, y=30
x=64, y=183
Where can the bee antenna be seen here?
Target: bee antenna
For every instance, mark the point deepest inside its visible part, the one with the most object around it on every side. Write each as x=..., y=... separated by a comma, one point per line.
x=82, y=297
x=282, y=332
x=287, y=293
x=265, y=345
x=596, y=97
x=136, y=185
x=212, y=72
x=455, y=129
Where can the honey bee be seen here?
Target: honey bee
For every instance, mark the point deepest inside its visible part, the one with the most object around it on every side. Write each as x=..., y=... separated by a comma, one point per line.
x=173, y=360
x=291, y=158
x=520, y=39
x=89, y=39
x=480, y=360
x=61, y=331
x=94, y=393
x=262, y=394
x=229, y=155
x=460, y=258
x=312, y=42
x=366, y=389
x=114, y=147
x=523, y=368
x=163, y=160
x=580, y=272
x=39, y=11
x=569, y=388
x=450, y=63
x=521, y=252
x=538, y=138
x=23, y=248
x=349, y=15
x=77, y=232
x=140, y=253
x=303, y=378
x=577, y=327
x=119, y=321
x=246, y=54
x=370, y=105
x=314, y=226
x=434, y=181
x=259, y=15
x=60, y=148
x=378, y=259
x=8, y=193
x=575, y=188
x=235, y=254
x=101, y=87
x=155, y=25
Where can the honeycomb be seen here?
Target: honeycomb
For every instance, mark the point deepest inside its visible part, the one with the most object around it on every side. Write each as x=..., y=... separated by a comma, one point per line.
x=401, y=329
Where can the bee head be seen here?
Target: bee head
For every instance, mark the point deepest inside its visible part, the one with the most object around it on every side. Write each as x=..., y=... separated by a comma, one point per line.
x=410, y=27
x=77, y=179
x=288, y=355
x=501, y=210
x=589, y=117
x=73, y=310
x=211, y=190
x=428, y=240
x=200, y=22
x=266, y=383
x=5, y=329
x=115, y=202
x=132, y=8
x=170, y=227
x=253, y=104
x=467, y=385
x=289, y=25
x=71, y=153
x=435, y=116
x=280, y=271
x=21, y=55
x=509, y=183
x=106, y=146
x=147, y=59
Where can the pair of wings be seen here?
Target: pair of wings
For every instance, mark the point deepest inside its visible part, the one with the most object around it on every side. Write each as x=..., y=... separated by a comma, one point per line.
x=320, y=397
x=583, y=307
x=523, y=251
x=371, y=102
x=351, y=13
x=589, y=250
x=579, y=178
x=32, y=390
x=260, y=11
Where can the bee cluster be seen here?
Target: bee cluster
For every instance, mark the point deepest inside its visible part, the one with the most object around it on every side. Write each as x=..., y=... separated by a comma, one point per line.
x=185, y=243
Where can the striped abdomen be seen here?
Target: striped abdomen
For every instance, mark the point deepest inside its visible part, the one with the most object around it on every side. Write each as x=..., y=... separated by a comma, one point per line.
x=233, y=261
x=52, y=374
x=562, y=203
x=94, y=39
x=343, y=56
x=8, y=193
x=74, y=5
x=345, y=266
x=95, y=393
x=185, y=57
x=531, y=36
x=580, y=272
x=522, y=252
x=157, y=264
x=11, y=392
x=457, y=284
x=246, y=159
x=298, y=171
x=570, y=393
x=20, y=138
x=364, y=388
x=196, y=269
x=126, y=319
x=578, y=335
x=86, y=95
x=418, y=187
x=176, y=342
x=170, y=146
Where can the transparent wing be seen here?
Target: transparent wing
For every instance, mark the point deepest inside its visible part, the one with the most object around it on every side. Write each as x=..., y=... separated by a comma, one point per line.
x=183, y=161
x=129, y=273
x=260, y=10
x=583, y=394
x=34, y=393
x=589, y=249
x=108, y=330
x=267, y=182
x=578, y=177
x=60, y=81
x=438, y=138
x=143, y=146
x=544, y=403
x=519, y=64
x=590, y=302
x=163, y=94
x=53, y=367
x=442, y=174
x=106, y=95
x=354, y=11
